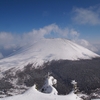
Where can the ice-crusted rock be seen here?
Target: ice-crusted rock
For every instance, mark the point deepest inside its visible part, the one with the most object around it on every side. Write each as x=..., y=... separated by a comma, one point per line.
x=48, y=86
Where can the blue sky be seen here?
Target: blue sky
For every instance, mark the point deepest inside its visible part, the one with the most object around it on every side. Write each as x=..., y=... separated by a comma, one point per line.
x=78, y=20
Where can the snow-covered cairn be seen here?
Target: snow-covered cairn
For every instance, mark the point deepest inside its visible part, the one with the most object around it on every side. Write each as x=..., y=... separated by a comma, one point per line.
x=48, y=85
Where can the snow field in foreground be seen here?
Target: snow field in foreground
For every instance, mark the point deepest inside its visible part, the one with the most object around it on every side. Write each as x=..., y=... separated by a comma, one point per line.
x=33, y=94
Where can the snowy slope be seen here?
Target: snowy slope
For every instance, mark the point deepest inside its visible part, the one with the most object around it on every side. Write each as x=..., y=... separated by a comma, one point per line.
x=33, y=94
x=46, y=50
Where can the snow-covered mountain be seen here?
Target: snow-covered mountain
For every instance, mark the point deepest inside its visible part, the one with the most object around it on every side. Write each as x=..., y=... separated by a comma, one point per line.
x=65, y=65
x=46, y=50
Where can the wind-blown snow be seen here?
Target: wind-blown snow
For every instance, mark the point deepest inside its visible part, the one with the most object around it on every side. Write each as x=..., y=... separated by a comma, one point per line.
x=33, y=94
x=48, y=86
x=46, y=50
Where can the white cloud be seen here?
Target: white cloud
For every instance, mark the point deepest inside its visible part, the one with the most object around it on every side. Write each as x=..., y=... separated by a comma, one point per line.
x=74, y=34
x=6, y=40
x=98, y=48
x=1, y=56
x=89, y=15
x=12, y=41
x=49, y=31
x=86, y=44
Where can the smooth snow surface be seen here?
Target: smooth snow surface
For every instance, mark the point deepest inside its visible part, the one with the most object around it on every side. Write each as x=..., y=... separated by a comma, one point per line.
x=46, y=50
x=33, y=94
